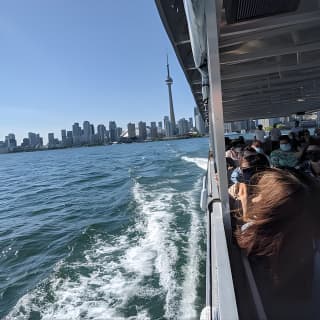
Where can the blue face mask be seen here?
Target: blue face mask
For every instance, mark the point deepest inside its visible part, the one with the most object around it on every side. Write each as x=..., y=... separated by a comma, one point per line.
x=285, y=146
x=259, y=150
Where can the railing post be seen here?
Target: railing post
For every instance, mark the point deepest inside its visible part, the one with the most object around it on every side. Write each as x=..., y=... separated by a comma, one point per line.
x=216, y=107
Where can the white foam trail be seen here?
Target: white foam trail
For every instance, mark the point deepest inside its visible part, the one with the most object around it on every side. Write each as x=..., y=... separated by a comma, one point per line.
x=200, y=162
x=98, y=295
x=191, y=270
x=159, y=241
x=116, y=269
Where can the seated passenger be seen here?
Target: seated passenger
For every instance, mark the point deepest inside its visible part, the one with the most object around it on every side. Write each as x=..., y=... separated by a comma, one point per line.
x=284, y=157
x=281, y=210
x=257, y=146
x=311, y=163
x=230, y=167
x=235, y=151
x=250, y=164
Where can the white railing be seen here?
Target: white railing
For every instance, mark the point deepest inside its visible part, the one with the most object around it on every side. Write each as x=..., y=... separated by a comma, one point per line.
x=220, y=296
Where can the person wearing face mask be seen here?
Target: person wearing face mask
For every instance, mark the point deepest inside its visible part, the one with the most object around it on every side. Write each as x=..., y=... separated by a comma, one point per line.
x=275, y=134
x=257, y=146
x=311, y=164
x=235, y=152
x=284, y=157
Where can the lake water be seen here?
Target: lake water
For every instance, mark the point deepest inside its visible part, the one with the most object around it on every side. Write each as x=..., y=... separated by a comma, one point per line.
x=110, y=232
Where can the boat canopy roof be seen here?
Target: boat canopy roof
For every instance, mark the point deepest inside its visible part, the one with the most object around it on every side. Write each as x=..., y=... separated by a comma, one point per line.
x=269, y=54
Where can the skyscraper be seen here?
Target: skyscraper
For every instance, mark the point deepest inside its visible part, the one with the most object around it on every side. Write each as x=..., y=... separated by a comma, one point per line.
x=183, y=126
x=199, y=123
x=167, y=126
x=86, y=132
x=112, y=131
x=51, y=142
x=101, y=133
x=153, y=130
x=142, y=130
x=118, y=133
x=169, y=82
x=131, y=130
x=76, y=133
x=64, y=137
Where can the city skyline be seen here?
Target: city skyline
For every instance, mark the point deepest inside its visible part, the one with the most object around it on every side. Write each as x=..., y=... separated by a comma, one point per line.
x=86, y=126
x=94, y=66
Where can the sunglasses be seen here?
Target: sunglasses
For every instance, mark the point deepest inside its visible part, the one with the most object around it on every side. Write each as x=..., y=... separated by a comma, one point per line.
x=313, y=155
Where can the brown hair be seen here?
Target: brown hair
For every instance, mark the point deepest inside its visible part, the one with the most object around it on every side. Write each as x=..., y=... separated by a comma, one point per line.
x=288, y=198
x=283, y=209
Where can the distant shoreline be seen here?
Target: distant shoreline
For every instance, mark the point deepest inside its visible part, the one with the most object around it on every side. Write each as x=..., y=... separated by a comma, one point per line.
x=103, y=145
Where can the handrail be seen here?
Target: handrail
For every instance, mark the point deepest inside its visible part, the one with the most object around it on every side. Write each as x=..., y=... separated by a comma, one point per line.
x=220, y=295
x=253, y=288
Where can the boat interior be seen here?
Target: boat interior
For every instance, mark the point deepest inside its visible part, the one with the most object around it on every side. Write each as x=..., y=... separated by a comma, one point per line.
x=244, y=59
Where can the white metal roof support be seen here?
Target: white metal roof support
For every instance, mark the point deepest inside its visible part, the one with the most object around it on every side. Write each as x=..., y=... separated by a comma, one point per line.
x=216, y=108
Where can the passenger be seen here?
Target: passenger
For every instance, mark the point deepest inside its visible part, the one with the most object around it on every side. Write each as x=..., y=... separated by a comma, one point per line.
x=259, y=134
x=296, y=128
x=275, y=134
x=235, y=152
x=249, y=165
x=304, y=138
x=241, y=176
x=227, y=142
x=230, y=167
x=241, y=140
x=257, y=146
x=281, y=211
x=311, y=163
x=295, y=143
x=284, y=157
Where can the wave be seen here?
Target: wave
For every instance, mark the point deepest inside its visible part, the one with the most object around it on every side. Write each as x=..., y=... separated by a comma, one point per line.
x=191, y=269
x=200, y=162
x=118, y=276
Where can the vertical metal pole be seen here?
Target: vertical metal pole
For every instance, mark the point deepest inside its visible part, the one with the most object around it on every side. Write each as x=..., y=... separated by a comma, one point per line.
x=216, y=107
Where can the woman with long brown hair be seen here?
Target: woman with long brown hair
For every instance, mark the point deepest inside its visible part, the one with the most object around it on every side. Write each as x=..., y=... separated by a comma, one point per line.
x=282, y=222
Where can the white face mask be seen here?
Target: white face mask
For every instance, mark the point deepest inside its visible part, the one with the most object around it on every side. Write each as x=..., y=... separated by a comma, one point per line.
x=258, y=149
x=285, y=147
x=237, y=149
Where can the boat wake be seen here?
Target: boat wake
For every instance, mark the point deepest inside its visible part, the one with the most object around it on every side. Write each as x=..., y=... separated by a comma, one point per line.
x=150, y=271
x=200, y=162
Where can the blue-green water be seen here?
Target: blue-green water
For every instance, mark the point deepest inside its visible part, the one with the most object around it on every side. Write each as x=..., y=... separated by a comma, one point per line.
x=103, y=233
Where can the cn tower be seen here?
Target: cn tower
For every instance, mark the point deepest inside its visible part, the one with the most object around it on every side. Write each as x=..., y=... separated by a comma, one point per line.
x=169, y=82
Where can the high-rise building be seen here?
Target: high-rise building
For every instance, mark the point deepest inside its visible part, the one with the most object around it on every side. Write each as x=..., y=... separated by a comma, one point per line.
x=169, y=82
x=69, y=141
x=167, y=126
x=183, y=126
x=131, y=130
x=160, y=124
x=25, y=143
x=64, y=137
x=142, y=130
x=112, y=131
x=11, y=141
x=118, y=133
x=76, y=134
x=92, y=131
x=199, y=123
x=153, y=130
x=51, y=140
x=32, y=137
x=86, y=138
x=190, y=123
x=101, y=133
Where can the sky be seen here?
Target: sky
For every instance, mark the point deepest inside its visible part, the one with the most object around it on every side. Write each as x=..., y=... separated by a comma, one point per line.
x=66, y=61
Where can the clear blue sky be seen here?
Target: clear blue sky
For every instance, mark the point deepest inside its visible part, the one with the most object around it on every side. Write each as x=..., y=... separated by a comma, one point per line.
x=66, y=61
